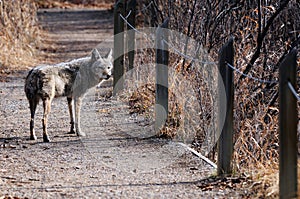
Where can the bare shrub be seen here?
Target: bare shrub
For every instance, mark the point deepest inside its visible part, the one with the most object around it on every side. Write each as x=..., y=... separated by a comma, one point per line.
x=19, y=37
x=264, y=32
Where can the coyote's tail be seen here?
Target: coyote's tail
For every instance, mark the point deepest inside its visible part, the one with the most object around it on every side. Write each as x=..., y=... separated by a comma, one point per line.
x=30, y=87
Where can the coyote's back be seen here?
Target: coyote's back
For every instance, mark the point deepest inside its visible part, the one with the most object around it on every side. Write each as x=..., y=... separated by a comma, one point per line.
x=51, y=81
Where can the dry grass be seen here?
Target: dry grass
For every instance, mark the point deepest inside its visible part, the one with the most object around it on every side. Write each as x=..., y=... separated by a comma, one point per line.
x=140, y=93
x=256, y=149
x=186, y=121
x=266, y=183
x=256, y=108
x=105, y=4
x=19, y=36
x=142, y=100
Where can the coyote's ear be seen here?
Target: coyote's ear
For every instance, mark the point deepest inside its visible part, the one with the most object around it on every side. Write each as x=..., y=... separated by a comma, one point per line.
x=95, y=55
x=109, y=55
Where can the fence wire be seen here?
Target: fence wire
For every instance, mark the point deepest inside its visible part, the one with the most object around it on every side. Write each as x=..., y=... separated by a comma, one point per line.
x=151, y=38
x=136, y=30
x=186, y=56
x=129, y=13
x=293, y=90
x=250, y=77
x=146, y=7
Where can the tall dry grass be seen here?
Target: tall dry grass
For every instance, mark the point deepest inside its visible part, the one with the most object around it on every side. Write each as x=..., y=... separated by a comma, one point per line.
x=19, y=36
x=256, y=108
x=106, y=4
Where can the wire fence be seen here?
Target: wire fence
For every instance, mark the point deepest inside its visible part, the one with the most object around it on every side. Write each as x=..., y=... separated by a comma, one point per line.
x=293, y=90
x=288, y=97
x=194, y=59
x=146, y=7
x=191, y=58
x=251, y=77
x=133, y=28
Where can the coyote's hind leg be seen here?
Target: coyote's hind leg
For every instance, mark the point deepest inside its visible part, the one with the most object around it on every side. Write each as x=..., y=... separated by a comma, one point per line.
x=32, y=105
x=47, y=109
x=70, y=105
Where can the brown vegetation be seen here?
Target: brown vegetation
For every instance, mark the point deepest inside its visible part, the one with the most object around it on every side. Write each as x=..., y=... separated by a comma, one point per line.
x=106, y=4
x=264, y=32
x=20, y=35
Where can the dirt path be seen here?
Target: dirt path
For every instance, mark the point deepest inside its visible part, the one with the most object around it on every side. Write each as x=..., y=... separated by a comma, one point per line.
x=71, y=34
x=112, y=161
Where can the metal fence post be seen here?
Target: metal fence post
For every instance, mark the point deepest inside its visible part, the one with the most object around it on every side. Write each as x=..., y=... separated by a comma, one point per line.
x=118, y=46
x=225, y=142
x=161, y=91
x=288, y=119
x=131, y=11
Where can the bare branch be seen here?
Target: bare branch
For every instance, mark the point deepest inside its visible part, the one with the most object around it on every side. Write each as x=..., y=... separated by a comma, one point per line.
x=261, y=37
x=189, y=30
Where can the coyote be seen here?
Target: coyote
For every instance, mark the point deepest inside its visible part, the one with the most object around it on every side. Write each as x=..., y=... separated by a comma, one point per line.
x=70, y=79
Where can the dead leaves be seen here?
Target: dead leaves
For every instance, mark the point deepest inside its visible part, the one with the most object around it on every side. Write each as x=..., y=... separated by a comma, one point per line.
x=220, y=183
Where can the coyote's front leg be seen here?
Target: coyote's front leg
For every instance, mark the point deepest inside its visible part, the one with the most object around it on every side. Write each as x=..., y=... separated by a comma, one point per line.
x=77, y=103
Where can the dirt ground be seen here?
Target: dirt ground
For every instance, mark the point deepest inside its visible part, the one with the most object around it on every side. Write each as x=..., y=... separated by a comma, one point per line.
x=116, y=159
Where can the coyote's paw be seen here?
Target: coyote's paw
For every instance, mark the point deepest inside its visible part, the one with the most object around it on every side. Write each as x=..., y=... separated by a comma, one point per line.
x=46, y=138
x=71, y=132
x=33, y=137
x=80, y=134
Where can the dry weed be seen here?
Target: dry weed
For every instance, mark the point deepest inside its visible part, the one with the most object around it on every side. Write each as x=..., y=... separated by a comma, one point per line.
x=266, y=183
x=105, y=4
x=142, y=101
x=186, y=120
x=19, y=36
x=256, y=131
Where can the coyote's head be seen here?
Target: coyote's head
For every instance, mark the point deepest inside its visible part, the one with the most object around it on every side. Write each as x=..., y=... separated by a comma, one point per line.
x=102, y=68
